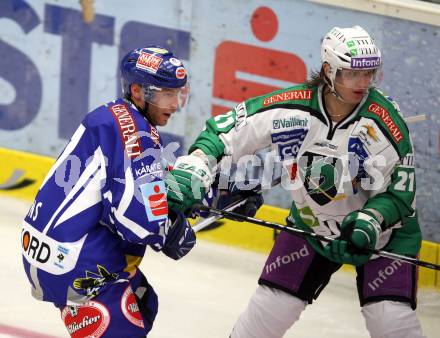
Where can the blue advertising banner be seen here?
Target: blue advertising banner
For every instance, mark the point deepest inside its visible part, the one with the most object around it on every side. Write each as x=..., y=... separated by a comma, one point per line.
x=55, y=67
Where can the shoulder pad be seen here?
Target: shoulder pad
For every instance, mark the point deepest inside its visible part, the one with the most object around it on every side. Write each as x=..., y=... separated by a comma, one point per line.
x=386, y=113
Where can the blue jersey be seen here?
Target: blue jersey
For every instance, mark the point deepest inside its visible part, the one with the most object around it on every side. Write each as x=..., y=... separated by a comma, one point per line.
x=100, y=205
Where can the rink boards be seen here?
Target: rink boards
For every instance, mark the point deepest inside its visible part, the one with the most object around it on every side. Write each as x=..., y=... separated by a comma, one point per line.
x=22, y=174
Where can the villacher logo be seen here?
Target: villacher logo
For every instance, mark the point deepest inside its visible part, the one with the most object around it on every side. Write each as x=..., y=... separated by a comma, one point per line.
x=89, y=320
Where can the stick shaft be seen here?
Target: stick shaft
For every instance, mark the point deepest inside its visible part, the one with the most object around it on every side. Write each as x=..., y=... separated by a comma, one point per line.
x=415, y=118
x=209, y=220
x=296, y=231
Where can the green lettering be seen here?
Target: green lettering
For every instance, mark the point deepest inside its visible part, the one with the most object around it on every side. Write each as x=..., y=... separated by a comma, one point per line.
x=350, y=43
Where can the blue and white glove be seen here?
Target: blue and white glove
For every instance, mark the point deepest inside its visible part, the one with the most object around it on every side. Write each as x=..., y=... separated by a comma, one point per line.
x=360, y=230
x=187, y=182
x=180, y=238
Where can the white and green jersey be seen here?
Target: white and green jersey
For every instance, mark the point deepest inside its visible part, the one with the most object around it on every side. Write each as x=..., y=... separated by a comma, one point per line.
x=364, y=161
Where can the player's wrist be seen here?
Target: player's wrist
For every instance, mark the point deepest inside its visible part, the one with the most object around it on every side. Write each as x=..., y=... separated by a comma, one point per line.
x=376, y=215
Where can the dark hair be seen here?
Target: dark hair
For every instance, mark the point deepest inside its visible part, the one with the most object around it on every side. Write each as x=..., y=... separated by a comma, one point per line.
x=316, y=78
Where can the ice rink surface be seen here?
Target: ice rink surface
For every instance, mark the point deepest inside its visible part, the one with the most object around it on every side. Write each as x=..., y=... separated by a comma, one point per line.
x=200, y=296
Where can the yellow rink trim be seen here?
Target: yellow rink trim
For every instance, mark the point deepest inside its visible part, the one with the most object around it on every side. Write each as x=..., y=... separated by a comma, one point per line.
x=22, y=174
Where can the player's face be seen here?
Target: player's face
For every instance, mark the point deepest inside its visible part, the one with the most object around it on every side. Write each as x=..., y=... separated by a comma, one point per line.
x=159, y=116
x=353, y=85
x=165, y=102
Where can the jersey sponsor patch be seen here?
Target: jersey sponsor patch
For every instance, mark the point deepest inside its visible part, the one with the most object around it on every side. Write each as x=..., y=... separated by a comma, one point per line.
x=384, y=115
x=290, y=150
x=368, y=134
x=289, y=142
x=289, y=135
x=357, y=156
x=153, y=171
x=408, y=160
x=300, y=94
x=155, y=200
x=365, y=62
x=130, y=308
x=371, y=136
x=326, y=144
x=289, y=123
x=180, y=73
x=175, y=62
x=127, y=130
x=154, y=134
x=89, y=320
x=47, y=254
x=149, y=62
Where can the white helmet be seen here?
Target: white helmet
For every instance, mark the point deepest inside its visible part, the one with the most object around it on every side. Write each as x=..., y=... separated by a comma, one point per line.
x=349, y=48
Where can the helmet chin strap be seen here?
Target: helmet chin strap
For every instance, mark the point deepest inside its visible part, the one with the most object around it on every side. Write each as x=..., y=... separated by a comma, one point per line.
x=332, y=89
x=143, y=111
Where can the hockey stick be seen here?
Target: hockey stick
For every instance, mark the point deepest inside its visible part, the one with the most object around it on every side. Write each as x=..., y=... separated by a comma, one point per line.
x=296, y=231
x=211, y=219
x=415, y=118
x=232, y=206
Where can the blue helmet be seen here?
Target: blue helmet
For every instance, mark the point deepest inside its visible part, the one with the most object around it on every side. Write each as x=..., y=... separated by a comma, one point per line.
x=152, y=67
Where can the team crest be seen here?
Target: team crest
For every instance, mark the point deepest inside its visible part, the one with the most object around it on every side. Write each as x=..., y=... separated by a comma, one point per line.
x=321, y=176
x=94, y=281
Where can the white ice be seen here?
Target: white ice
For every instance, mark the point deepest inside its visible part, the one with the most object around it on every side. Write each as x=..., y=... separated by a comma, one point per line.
x=200, y=296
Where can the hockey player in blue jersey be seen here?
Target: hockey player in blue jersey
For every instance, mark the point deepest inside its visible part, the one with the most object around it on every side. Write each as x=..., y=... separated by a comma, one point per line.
x=104, y=202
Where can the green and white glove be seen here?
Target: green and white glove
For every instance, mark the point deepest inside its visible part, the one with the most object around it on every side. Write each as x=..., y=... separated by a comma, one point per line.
x=360, y=230
x=187, y=182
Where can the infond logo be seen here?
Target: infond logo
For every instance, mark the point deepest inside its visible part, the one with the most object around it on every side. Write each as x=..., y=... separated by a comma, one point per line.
x=383, y=275
x=369, y=62
x=287, y=259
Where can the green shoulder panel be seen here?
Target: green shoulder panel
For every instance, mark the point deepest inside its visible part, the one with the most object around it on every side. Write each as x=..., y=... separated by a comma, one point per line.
x=386, y=113
x=209, y=141
x=298, y=95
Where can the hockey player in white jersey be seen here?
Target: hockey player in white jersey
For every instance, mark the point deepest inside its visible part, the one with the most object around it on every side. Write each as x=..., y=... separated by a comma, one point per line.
x=349, y=155
x=103, y=203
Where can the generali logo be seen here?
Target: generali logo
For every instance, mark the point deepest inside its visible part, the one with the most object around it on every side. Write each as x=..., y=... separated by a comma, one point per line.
x=386, y=118
x=127, y=130
x=302, y=94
